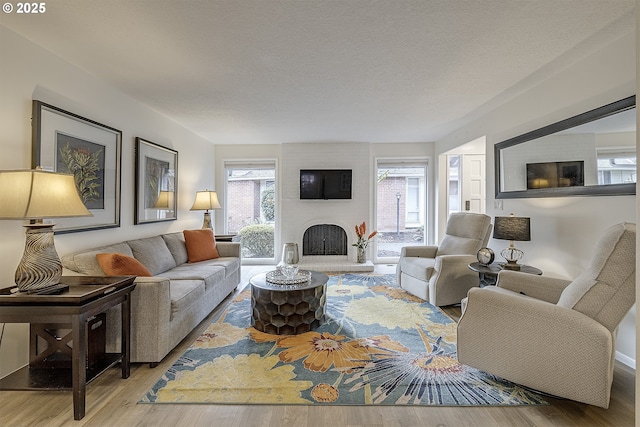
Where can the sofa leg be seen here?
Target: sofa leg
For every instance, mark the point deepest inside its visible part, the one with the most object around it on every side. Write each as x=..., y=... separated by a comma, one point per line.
x=153, y=364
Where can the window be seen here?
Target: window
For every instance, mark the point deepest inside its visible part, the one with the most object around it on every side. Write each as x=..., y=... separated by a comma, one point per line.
x=250, y=207
x=616, y=167
x=400, y=205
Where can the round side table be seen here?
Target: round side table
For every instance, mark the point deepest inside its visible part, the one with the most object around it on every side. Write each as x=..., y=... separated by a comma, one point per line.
x=489, y=273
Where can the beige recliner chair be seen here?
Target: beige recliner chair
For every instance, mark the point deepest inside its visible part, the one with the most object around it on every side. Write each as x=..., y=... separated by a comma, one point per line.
x=559, y=337
x=440, y=274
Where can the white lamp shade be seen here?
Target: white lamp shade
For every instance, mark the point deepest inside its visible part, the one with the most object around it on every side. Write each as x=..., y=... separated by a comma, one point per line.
x=205, y=200
x=36, y=194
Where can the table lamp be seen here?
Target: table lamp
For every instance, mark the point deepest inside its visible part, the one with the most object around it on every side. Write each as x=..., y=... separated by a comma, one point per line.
x=34, y=195
x=513, y=228
x=206, y=200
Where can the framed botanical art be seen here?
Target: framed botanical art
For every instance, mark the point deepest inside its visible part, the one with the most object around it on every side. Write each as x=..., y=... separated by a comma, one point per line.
x=156, y=182
x=68, y=143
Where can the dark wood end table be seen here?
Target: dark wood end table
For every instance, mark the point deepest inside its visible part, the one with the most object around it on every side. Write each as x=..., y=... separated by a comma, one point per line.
x=58, y=366
x=489, y=273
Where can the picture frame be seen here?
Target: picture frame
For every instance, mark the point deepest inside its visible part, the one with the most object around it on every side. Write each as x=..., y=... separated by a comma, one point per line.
x=156, y=183
x=66, y=142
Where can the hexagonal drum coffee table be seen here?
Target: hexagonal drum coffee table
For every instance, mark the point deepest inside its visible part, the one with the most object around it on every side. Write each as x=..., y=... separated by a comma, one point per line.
x=285, y=309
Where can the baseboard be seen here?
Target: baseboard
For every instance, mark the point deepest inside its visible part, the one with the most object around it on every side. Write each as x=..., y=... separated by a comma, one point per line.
x=338, y=266
x=624, y=359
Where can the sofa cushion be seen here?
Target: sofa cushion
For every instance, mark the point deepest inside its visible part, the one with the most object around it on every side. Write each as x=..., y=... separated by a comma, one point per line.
x=185, y=293
x=209, y=274
x=153, y=253
x=85, y=262
x=201, y=244
x=420, y=268
x=230, y=264
x=177, y=247
x=609, y=280
x=121, y=265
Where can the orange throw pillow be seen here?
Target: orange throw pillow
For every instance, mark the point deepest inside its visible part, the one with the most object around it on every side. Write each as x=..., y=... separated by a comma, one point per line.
x=201, y=244
x=121, y=265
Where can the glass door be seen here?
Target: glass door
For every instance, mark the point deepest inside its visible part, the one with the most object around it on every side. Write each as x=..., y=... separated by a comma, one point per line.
x=400, y=206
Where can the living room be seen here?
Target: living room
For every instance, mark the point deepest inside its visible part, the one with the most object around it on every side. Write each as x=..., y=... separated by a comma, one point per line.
x=596, y=72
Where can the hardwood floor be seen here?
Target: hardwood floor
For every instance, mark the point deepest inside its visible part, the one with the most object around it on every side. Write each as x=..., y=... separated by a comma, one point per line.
x=112, y=401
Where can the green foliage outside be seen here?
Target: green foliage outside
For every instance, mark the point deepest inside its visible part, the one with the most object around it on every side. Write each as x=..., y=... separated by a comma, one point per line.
x=257, y=240
x=268, y=204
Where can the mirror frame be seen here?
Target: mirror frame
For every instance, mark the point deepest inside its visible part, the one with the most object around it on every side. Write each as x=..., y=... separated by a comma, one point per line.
x=580, y=119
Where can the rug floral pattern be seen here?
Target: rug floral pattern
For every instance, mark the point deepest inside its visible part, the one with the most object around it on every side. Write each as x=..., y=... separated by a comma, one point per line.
x=379, y=345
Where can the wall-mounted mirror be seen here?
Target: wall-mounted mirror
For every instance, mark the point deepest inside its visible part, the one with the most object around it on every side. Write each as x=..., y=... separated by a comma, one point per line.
x=590, y=154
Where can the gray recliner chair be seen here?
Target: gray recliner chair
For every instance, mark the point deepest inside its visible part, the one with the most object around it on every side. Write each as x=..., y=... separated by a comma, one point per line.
x=440, y=274
x=553, y=335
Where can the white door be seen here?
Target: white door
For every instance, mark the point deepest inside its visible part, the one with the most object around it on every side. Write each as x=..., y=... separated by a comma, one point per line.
x=473, y=183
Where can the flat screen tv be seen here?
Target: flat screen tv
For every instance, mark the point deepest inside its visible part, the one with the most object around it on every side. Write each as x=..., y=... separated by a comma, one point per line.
x=555, y=174
x=325, y=184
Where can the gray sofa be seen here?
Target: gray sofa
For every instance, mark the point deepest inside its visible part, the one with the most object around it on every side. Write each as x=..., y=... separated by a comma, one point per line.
x=165, y=308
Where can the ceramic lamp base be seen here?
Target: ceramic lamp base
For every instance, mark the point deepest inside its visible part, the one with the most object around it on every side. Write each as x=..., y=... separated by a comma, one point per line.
x=207, y=221
x=40, y=266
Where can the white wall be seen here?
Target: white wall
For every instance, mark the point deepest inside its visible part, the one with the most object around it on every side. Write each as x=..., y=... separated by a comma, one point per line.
x=563, y=230
x=29, y=72
x=297, y=215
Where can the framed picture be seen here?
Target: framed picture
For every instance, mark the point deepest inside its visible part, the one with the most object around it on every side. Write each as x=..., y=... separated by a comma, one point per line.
x=68, y=143
x=156, y=183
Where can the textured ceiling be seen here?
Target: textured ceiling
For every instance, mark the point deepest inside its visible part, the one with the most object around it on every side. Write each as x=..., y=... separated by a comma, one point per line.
x=271, y=71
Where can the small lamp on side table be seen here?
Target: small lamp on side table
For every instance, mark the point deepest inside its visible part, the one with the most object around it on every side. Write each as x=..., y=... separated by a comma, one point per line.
x=206, y=200
x=513, y=228
x=34, y=195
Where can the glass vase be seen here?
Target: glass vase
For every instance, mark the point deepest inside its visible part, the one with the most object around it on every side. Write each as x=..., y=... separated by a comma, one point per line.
x=362, y=255
x=288, y=264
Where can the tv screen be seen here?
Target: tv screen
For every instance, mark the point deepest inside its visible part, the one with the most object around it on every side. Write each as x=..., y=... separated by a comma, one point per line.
x=325, y=184
x=555, y=174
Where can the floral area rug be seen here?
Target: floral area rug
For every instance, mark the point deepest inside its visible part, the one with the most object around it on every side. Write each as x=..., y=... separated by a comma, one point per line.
x=378, y=346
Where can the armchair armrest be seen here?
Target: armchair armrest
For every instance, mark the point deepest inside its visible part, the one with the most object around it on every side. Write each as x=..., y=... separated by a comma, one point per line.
x=451, y=279
x=524, y=314
x=543, y=288
x=419, y=251
x=451, y=262
x=150, y=313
